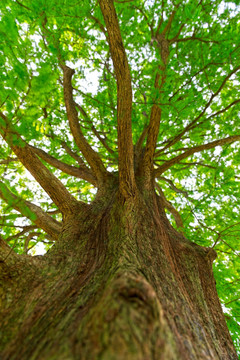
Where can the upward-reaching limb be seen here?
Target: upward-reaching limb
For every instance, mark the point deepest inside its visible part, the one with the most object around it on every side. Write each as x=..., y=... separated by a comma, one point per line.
x=162, y=44
x=81, y=172
x=90, y=155
x=53, y=187
x=124, y=106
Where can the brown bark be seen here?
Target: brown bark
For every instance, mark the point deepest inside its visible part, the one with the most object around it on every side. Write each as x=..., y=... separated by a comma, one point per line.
x=155, y=117
x=81, y=172
x=53, y=187
x=127, y=183
x=90, y=155
x=31, y=211
x=120, y=283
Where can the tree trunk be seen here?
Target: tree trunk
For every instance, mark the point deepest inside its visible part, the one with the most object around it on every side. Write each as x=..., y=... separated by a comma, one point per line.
x=120, y=283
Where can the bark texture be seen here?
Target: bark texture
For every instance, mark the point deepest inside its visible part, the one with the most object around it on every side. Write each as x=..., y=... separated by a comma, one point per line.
x=120, y=283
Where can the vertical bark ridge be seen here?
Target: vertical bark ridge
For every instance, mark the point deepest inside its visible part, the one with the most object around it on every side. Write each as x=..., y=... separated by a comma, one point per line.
x=127, y=183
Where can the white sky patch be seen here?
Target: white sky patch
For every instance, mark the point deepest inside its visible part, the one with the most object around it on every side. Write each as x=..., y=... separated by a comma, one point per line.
x=217, y=150
x=90, y=81
x=223, y=5
x=38, y=249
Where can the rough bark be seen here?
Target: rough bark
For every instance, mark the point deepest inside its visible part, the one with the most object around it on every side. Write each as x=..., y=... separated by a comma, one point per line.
x=53, y=187
x=90, y=155
x=127, y=185
x=120, y=283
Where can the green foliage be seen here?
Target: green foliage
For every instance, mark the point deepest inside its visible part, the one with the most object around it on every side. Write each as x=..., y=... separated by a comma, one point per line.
x=204, y=49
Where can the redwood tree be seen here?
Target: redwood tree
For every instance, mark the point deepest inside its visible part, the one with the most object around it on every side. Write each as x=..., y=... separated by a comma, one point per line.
x=119, y=155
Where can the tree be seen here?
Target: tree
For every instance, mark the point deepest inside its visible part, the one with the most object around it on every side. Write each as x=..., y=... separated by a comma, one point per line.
x=133, y=179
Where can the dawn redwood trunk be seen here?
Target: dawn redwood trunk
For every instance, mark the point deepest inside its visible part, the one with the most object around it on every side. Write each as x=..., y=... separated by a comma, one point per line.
x=120, y=283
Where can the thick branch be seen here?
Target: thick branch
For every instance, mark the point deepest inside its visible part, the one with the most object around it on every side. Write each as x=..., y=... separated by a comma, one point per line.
x=90, y=155
x=124, y=106
x=155, y=118
x=82, y=172
x=31, y=211
x=194, y=150
x=53, y=187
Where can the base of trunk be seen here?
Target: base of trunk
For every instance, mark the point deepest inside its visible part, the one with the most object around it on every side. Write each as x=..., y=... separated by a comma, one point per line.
x=121, y=283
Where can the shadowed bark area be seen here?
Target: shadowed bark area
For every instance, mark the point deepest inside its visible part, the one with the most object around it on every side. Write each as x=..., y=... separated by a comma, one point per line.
x=120, y=283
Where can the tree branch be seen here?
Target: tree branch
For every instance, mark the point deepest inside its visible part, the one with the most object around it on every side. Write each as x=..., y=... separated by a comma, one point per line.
x=27, y=240
x=195, y=38
x=68, y=150
x=53, y=187
x=173, y=141
x=173, y=187
x=31, y=211
x=140, y=141
x=90, y=155
x=72, y=153
x=8, y=160
x=127, y=183
x=96, y=133
x=155, y=117
x=193, y=76
x=25, y=230
x=22, y=5
x=194, y=150
x=82, y=172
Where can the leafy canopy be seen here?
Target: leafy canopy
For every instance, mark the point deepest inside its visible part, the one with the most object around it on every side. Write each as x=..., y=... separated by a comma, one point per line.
x=184, y=59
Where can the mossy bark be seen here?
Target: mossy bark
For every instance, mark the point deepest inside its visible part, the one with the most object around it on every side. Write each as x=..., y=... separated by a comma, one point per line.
x=120, y=283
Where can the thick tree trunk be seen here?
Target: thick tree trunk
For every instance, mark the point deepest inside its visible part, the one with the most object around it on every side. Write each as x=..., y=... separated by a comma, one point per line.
x=120, y=283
